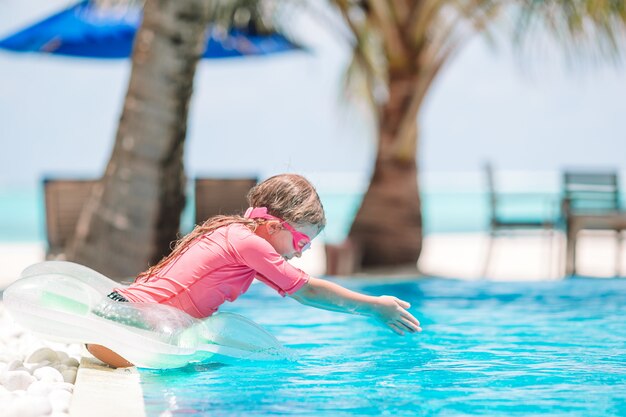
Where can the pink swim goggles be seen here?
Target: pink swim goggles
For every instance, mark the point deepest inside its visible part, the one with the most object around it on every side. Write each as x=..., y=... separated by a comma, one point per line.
x=301, y=242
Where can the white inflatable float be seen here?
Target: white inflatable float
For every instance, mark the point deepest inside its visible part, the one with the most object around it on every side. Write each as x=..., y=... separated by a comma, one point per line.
x=67, y=302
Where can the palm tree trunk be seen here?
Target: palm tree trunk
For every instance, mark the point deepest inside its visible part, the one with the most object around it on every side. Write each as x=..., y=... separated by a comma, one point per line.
x=388, y=226
x=134, y=212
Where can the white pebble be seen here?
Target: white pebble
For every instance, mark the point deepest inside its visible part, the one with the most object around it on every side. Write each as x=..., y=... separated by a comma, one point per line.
x=18, y=393
x=39, y=388
x=62, y=356
x=5, y=402
x=67, y=386
x=69, y=375
x=48, y=373
x=14, y=365
x=28, y=407
x=42, y=354
x=60, y=400
x=16, y=380
x=71, y=362
x=35, y=386
x=32, y=366
x=59, y=367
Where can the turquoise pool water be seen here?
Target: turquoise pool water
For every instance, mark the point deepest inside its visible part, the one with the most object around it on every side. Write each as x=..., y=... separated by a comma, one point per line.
x=488, y=349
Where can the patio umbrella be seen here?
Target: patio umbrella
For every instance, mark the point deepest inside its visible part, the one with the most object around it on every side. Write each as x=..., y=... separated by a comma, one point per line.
x=86, y=30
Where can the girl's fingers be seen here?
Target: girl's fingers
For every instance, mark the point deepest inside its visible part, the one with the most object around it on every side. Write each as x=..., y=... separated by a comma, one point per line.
x=411, y=318
x=410, y=325
x=400, y=320
x=402, y=303
x=396, y=329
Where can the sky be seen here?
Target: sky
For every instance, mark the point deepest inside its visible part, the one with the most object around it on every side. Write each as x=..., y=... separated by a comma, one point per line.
x=259, y=116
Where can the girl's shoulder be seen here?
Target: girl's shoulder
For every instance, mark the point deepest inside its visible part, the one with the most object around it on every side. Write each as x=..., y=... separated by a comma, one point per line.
x=235, y=236
x=236, y=231
x=231, y=231
x=241, y=238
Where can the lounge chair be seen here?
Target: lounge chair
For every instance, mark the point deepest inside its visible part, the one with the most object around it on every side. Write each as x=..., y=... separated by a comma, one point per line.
x=64, y=200
x=591, y=200
x=215, y=196
x=500, y=224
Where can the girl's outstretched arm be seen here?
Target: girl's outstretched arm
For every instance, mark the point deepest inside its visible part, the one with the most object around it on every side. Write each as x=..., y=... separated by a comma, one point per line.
x=389, y=310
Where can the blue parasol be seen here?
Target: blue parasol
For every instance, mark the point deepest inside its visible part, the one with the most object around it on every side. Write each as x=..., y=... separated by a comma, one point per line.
x=86, y=30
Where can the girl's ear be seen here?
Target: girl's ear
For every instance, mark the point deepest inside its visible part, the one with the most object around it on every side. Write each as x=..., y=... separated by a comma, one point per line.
x=273, y=226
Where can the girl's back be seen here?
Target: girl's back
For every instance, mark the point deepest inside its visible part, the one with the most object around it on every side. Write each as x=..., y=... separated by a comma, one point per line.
x=215, y=268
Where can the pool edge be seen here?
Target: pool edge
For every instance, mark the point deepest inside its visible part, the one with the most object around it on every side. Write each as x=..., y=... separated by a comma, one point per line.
x=101, y=391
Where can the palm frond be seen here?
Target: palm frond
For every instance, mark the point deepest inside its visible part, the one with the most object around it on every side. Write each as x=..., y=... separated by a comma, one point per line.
x=118, y=3
x=586, y=30
x=388, y=25
x=367, y=70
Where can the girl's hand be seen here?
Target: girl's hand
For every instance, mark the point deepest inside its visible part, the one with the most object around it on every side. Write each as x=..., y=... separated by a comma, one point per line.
x=391, y=311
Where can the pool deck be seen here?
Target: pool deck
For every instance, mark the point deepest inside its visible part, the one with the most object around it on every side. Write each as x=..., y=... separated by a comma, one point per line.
x=101, y=391
x=519, y=256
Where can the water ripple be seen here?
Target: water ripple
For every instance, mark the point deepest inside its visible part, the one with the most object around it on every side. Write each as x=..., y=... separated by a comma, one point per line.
x=514, y=349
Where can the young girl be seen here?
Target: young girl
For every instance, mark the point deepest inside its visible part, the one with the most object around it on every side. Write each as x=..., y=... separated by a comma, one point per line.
x=219, y=259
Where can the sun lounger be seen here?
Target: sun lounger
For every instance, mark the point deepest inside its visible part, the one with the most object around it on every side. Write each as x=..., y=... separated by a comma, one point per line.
x=215, y=196
x=591, y=200
x=64, y=200
x=500, y=224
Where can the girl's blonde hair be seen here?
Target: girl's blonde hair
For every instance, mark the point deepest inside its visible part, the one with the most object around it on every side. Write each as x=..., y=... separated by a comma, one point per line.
x=290, y=197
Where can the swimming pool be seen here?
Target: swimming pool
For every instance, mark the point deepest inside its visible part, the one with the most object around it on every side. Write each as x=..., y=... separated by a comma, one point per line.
x=495, y=349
